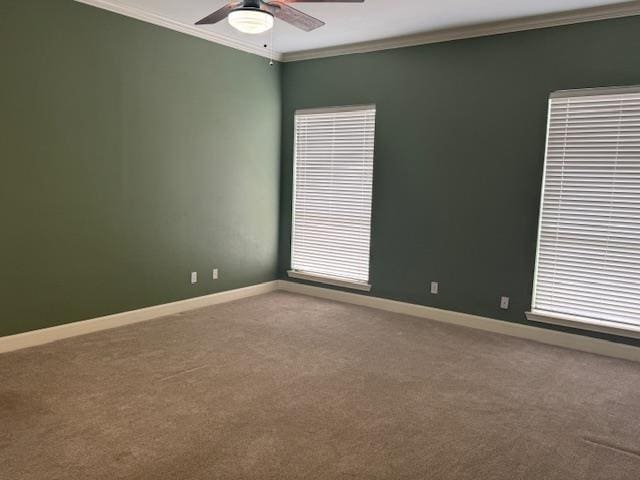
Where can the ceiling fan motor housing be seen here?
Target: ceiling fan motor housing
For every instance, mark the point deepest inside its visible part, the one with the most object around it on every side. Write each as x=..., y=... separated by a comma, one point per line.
x=251, y=4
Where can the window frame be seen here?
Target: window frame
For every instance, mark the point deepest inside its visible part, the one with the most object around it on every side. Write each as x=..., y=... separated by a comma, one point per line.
x=364, y=286
x=561, y=319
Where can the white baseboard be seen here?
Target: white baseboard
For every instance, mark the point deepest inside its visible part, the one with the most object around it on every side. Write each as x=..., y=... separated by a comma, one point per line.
x=551, y=337
x=47, y=335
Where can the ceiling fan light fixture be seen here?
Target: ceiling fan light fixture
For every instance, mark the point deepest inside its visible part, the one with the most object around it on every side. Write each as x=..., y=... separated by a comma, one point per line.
x=251, y=20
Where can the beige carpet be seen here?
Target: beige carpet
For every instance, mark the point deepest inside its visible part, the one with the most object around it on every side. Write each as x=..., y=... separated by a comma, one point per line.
x=289, y=387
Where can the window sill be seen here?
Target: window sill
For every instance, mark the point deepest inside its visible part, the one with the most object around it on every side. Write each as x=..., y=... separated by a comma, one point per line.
x=336, y=282
x=581, y=323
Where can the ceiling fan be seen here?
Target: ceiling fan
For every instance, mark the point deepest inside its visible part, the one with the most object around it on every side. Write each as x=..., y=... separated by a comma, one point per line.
x=257, y=16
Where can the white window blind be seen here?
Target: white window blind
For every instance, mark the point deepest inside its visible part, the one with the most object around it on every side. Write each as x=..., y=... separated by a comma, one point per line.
x=332, y=193
x=588, y=263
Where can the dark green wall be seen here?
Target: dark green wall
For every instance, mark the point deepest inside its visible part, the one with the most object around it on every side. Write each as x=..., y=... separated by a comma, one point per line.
x=459, y=153
x=126, y=162
x=130, y=156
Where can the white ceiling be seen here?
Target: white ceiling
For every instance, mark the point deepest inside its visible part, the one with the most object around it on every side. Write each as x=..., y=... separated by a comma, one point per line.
x=357, y=22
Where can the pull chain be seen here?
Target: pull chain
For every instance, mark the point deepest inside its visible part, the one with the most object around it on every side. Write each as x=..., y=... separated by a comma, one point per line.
x=271, y=46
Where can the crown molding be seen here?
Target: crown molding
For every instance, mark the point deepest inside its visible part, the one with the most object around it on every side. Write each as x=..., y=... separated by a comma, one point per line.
x=192, y=30
x=617, y=10
x=606, y=12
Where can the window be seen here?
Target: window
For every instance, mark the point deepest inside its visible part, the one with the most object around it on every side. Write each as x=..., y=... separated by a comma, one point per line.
x=588, y=261
x=332, y=195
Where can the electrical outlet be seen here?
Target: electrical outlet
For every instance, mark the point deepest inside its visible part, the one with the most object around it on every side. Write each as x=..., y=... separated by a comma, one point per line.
x=194, y=277
x=434, y=288
x=504, y=303
x=215, y=275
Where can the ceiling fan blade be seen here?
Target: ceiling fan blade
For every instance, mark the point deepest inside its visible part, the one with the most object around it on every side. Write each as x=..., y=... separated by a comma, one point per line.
x=293, y=16
x=323, y=1
x=218, y=15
